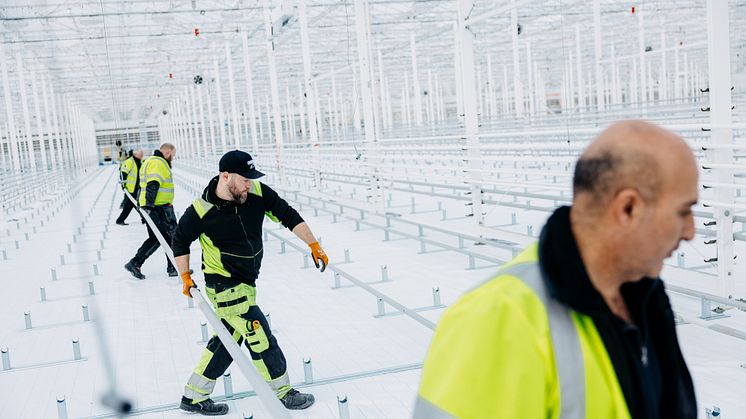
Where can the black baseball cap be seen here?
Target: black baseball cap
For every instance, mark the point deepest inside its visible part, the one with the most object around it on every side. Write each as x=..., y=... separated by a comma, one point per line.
x=239, y=162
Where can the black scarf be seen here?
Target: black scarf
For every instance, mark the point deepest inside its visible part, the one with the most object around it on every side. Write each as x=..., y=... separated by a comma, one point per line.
x=661, y=389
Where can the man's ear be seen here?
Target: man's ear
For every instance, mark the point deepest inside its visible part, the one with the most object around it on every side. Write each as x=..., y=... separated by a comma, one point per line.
x=626, y=206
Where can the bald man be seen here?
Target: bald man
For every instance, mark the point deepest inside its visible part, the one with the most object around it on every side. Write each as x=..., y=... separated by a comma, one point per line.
x=579, y=324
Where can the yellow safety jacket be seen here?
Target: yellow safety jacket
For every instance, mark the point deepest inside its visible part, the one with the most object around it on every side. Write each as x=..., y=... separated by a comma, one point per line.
x=508, y=350
x=130, y=168
x=156, y=168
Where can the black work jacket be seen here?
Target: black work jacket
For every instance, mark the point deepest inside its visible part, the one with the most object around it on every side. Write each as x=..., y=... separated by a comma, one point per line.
x=646, y=356
x=232, y=232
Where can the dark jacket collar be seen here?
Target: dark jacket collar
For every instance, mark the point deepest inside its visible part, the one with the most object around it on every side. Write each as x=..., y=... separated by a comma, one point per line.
x=210, y=194
x=567, y=278
x=159, y=154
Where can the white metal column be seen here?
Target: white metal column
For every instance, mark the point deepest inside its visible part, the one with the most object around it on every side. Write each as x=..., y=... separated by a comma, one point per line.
x=232, y=91
x=250, y=92
x=597, y=55
x=517, y=84
x=471, y=120
x=39, y=127
x=417, y=91
x=221, y=113
x=12, y=142
x=24, y=108
x=366, y=95
x=273, y=87
x=719, y=65
x=309, y=93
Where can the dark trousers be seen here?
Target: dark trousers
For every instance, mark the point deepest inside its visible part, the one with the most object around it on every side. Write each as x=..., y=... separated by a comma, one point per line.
x=164, y=219
x=127, y=207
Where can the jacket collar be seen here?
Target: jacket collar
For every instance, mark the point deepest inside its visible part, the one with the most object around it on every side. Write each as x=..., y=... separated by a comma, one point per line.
x=567, y=279
x=210, y=194
x=159, y=154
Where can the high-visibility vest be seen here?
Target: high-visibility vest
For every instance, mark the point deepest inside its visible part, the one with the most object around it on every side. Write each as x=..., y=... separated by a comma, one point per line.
x=130, y=168
x=156, y=168
x=509, y=350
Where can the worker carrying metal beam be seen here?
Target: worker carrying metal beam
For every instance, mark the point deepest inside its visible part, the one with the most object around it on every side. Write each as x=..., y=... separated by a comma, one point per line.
x=156, y=197
x=227, y=219
x=579, y=325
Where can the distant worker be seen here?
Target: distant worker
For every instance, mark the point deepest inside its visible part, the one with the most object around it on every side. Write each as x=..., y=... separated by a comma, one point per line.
x=579, y=325
x=227, y=220
x=130, y=176
x=156, y=199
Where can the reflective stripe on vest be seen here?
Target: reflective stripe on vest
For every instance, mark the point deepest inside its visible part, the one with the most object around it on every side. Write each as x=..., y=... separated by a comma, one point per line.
x=568, y=355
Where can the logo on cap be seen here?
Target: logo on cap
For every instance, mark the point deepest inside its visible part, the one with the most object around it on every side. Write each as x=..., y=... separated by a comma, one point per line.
x=250, y=163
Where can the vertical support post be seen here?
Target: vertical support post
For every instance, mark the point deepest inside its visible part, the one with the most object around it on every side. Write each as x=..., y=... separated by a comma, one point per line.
x=91, y=289
x=384, y=273
x=416, y=94
x=272, y=69
x=61, y=407
x=309, y=92
x=76, y=349
x=27, y=319
x=43, y=293
x=381, y=306
x=344, y=408
x=221, y=113
x=228, y=384
x=203, y=329
x=307, y=371
x=513, y=28
x=24, y=109
x=366, y=94
x=250, y=92
x=579, y=68
x=232, y=93
x=10, y=118
x=598, y=52
x=718, y=53
x=643, y=66
x=471, y=122
x=6, y=358
x=436, y=297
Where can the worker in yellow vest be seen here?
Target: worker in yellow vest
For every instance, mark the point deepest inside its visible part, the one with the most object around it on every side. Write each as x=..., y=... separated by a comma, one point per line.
x=130, y=175
x=579, y=325
x=156, y=197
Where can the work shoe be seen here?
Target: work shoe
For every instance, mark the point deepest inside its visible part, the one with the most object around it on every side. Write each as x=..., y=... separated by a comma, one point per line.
x=172, y=272
x=205, y=407
x=122, y=223
x=295, y=400
x=134, y=270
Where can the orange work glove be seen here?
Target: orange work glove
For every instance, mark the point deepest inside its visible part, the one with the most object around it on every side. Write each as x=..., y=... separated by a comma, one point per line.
x=186, y=278
x=318, y=255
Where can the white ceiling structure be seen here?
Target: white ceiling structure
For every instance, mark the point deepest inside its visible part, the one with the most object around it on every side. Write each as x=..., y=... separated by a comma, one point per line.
x=113, y=58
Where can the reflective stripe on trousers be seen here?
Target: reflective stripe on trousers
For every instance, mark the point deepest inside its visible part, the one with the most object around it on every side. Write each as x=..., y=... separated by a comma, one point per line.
x=568, y=355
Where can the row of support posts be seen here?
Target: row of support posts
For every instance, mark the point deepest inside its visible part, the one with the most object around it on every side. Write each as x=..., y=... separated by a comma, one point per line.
x=64, y=136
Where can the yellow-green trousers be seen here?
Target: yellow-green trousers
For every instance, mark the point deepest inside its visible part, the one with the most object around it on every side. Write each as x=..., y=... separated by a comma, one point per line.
x=236, y=307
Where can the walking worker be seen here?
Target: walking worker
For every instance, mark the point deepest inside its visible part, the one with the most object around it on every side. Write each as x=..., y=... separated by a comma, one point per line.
x=130, y=175
x=227, y=219
x=579, y=325
x=156, y=199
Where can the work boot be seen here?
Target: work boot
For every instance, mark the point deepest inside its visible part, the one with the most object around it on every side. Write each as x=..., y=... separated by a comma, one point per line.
x=295, y=400
x=205, y=407
x=172, y=272
x=134, y=270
